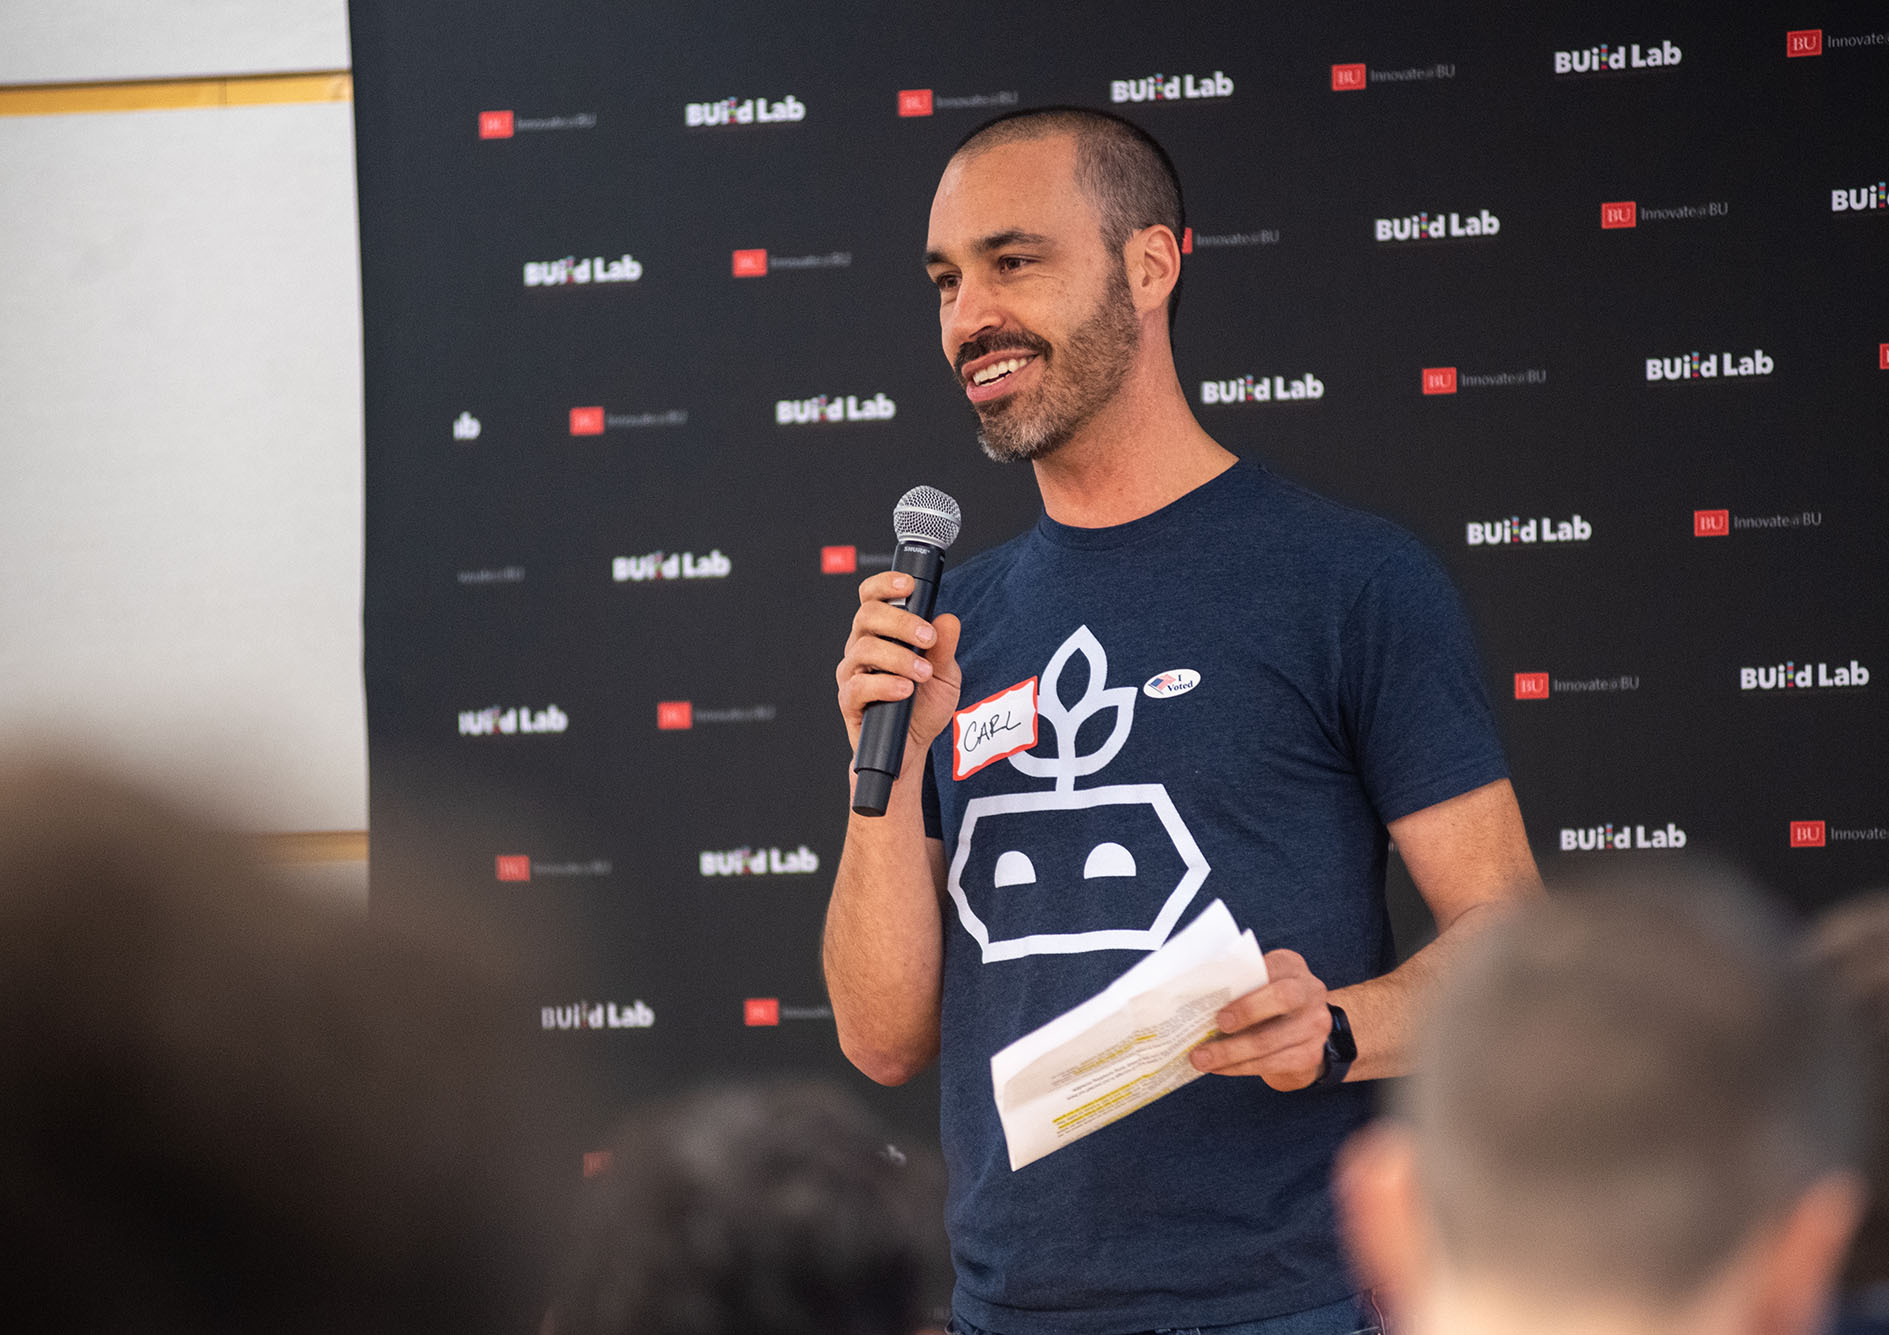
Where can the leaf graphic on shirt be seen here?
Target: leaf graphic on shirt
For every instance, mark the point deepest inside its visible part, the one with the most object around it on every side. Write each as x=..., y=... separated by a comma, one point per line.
x=1065, y=721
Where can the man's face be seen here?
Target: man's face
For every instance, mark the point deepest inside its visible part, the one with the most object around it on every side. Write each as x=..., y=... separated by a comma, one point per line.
x=1036, y=315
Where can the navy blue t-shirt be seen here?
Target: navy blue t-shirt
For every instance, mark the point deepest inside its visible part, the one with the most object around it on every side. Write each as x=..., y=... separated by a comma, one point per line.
x=1233, y=696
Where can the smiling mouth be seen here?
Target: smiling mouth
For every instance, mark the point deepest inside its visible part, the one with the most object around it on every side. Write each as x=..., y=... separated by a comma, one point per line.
x=996, y=371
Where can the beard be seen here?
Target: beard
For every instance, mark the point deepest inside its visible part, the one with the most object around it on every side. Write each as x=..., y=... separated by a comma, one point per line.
x=1078, y=381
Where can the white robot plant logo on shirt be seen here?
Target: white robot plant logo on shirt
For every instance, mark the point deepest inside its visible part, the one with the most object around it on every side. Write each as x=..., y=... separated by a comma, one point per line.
x=1141, y=867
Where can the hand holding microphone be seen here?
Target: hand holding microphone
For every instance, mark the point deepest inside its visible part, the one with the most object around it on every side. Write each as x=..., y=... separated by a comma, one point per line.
x=898, y=682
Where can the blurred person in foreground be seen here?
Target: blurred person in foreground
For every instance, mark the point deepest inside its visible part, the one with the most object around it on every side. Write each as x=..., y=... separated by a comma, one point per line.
x=1633, y=1112
x=1850, y=943
x=228, y=1107
x=763, y=1211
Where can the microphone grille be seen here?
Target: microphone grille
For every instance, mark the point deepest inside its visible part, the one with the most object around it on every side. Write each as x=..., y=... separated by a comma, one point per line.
x=925, y=514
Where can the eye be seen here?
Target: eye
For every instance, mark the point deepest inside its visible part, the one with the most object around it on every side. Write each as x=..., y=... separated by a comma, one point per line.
x=946, y=283
x=1108, y=860
x=1011, y=263
x=1014, y=868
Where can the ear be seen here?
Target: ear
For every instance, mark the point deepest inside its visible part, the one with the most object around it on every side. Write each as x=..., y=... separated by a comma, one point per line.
x=1799, y=1269
x=1152, y=260
x=1375, y=1185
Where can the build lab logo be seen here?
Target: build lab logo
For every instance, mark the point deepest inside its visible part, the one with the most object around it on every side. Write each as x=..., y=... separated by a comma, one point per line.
x=1710, y=366
x=1794, y=676
x=732, y=111
x=656, y=567
x=826, y=408
x=1860, y=199
x=1262, y=389
x=1171, y=88
x=574, y=272
x=597, y=1015
x=1620, y=838
x=520, y=867
x=1617, y=59
x=500, y=721
x=1436, y=226
x=746, y=861
x=1516, y=531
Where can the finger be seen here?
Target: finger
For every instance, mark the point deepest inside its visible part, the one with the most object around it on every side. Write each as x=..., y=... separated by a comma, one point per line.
x=867, y=688
x=884, y=586
x=871, y=654
x=1263, y=1043
x=1283, y=1071
x=1280, y=997
x=893, y=623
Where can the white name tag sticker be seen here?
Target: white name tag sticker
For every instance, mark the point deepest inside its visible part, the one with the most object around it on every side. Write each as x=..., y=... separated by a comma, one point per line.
x=996, y=726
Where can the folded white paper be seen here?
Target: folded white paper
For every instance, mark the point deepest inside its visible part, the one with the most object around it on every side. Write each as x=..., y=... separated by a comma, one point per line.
x=1126, y=1046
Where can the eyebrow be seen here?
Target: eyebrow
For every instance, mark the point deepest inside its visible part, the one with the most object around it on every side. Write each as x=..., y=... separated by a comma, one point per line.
x=995, y=241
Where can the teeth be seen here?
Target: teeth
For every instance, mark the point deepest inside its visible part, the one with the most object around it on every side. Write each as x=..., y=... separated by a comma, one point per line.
x=997, y=370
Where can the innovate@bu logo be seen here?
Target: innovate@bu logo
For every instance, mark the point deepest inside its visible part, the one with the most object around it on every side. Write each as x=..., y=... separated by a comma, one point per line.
x=757, y=1012
x=675, y=715
x=750, y=264
x=1347, y=78
x=1807, y=834
x=915, y=102
x=514, y=867
x=1171, y=88
x=587, y=421
x=1439, y=380
x=1614, y=59
x=495, y=125
x=1882, y=356
x=1621, y=214
x=1531, y=686
x=839, y=560
x=1711, y=523
x=1804, y=42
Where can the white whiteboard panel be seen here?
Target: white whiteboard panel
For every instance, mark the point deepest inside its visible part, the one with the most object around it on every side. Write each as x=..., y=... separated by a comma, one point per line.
x=180, y=451
x=88, y=41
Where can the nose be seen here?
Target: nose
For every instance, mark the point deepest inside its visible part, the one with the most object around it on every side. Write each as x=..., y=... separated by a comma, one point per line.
x=973, y=313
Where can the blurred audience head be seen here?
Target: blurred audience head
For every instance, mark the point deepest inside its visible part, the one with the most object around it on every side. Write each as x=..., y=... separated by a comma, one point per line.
x=763, y=1211
x=1850, y=944
x=225, y=1107
x=1633, y=1110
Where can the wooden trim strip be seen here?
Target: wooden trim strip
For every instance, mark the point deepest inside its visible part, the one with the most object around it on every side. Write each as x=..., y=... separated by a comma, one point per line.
x=65, y=99
x=301, y=847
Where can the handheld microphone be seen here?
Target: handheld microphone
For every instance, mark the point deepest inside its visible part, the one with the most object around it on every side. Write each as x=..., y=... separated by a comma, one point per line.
x=926, y=521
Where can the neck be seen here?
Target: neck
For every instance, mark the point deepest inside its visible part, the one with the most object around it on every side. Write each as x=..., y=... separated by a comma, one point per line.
x=1485, y=1309
x=1142, y=451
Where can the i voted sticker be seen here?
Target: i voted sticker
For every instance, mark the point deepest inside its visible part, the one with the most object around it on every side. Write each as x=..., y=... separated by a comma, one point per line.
x=1173, y=682
x=995, y=727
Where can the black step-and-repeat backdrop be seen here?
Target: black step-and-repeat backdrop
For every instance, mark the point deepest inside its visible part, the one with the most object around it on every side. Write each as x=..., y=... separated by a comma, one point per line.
x=1596, y=303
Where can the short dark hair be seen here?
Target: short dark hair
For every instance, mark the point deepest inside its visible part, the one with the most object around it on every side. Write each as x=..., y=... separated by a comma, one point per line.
x=1850, y=943
x=752, y=1211
x=1616, y=1088
x=226, y=1106
x=1126, y=174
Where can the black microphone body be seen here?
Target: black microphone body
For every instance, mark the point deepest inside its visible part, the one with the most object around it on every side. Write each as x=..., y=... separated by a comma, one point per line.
x=882, y=728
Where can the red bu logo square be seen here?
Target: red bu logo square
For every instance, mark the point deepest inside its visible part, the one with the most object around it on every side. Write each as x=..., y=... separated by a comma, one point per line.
x=1711, y=523
x=1621, y=214
x=1806, y=834
x=757, y=1011
x=514, y=867
x=587, y=421
x=1439, y=380
x=1187, y=241
x=914, y=101
x=839, y=560
x=1347, y=78
x=597, y=1162
x=750, y=264
x=1804, y=42
x=672, y=715
x=495, y=125
x=1531, y=686
x=1882, y=356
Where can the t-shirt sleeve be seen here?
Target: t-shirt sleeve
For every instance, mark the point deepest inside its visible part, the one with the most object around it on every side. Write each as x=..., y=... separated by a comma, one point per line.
x=1413, y=700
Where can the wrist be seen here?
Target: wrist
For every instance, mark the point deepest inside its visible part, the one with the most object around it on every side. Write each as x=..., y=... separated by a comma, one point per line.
x=1341, y=1050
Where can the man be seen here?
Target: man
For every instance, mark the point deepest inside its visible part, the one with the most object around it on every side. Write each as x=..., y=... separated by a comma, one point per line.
x=1197, y=681
x=1850, y=944
x=1632, y=1115
x=752, y=1212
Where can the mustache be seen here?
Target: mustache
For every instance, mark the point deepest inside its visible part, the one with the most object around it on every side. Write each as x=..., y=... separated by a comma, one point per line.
x=1016, y=340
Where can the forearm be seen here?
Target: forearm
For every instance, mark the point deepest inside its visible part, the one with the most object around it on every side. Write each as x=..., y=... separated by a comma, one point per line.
x=884, y=943
x=1385, y=1011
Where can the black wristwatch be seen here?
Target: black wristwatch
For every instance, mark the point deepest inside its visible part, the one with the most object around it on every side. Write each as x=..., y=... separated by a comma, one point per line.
x=1341, y=1049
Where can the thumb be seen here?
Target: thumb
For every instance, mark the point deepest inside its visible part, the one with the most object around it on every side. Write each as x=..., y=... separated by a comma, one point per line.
x=944, y=650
